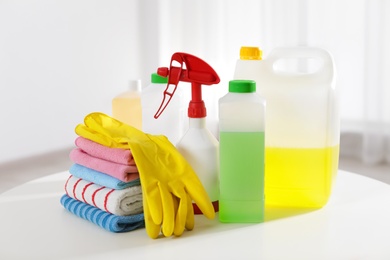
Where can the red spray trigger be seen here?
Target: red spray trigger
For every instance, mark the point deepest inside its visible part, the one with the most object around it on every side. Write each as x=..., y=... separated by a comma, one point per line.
x=197, y=72
x=173, y=79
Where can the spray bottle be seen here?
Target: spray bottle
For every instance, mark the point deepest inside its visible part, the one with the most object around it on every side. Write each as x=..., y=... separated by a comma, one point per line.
x=198, y=146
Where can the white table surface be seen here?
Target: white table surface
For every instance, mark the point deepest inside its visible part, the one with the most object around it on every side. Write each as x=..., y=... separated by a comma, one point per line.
x=355, y=224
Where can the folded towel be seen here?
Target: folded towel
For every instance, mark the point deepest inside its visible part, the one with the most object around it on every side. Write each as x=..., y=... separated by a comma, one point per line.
x=122, y=172
x=101, y=218
x=119, y=202
x=100, y=178
x=117, y=155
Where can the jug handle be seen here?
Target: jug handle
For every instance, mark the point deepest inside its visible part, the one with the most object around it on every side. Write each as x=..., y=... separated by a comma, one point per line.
x=324, y=73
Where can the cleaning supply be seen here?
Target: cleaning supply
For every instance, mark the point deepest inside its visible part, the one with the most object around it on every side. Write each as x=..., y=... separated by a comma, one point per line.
x=250, y=65
x=108, y=221
x=168, y=182
x=120, y=171
x=115, y=155
x=100, y=178
x=302, y=123
x=126, y=107
x=119, y=202
x=169, y=124
x=198, y=146
x=241, y=146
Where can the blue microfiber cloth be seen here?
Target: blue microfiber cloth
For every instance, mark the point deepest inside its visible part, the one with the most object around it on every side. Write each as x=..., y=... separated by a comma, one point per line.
x=100, y=178
x=110, y=222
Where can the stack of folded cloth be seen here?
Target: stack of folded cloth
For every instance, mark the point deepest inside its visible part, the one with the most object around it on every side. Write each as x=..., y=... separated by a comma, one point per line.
x=104, y=187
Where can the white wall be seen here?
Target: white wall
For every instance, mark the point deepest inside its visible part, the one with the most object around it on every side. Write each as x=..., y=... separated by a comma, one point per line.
x=59, y=61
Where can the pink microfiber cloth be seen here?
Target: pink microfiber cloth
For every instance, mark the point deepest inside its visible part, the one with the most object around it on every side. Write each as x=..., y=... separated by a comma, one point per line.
x=122, y=172
x=118, y=202
x=117, y=155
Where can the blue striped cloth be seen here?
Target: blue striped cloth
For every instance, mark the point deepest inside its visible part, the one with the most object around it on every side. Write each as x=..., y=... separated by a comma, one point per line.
x=100, y=178
x=110, y=222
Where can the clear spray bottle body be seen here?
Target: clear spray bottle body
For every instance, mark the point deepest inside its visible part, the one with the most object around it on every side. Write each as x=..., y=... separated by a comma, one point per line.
x=201, y=149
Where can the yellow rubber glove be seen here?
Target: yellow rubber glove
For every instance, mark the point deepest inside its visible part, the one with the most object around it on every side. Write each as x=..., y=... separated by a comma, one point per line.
x=169, y=184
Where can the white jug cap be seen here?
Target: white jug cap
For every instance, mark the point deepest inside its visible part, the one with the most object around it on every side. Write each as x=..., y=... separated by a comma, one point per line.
x=135, y=85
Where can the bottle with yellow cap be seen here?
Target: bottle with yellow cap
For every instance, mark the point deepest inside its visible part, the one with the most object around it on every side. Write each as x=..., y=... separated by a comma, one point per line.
x=302, y=123
x=250, y=63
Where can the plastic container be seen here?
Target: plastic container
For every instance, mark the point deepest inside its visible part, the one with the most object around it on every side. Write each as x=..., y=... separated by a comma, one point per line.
x=126, y=107
x=198, y=146
x=201, y=150
x=302, y=124
x=169, y=123
x=241, y=151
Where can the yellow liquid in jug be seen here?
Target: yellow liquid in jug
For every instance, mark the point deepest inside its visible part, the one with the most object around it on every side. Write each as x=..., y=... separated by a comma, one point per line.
x=300, y=177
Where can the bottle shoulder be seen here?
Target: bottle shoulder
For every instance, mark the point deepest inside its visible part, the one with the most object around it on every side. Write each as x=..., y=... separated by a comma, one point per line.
x=128, y=94
x=253, y=97
x=197, y=137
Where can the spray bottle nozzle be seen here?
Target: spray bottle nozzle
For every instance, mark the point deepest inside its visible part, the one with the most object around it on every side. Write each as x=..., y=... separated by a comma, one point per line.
x=163, y=71
x=197, y=72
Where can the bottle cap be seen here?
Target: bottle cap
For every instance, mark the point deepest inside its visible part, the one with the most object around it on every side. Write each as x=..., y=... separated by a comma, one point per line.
x=250, y=53
x=135, y=85
x=242, y=86
x=159, y=79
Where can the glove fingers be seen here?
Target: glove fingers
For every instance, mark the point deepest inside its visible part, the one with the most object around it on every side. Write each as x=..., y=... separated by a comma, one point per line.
x=176, y=202
x=181, y=214
x=151, y=194
x=113, y=129
x=200, y=197
x=94, y=130
x=96, y=137
x=168, y=210
x=101, y=124
x=190, y=222
x=108, y=126
x=152, y=229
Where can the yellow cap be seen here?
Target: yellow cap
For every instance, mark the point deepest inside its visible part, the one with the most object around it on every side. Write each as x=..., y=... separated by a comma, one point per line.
x=250, y=53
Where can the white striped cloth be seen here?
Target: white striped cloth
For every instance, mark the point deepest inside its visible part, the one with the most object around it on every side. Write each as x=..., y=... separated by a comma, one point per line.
x=122, y=202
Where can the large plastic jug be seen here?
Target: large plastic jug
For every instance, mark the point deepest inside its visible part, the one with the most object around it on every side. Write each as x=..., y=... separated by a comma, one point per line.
x=302, y=125
x=241, y=153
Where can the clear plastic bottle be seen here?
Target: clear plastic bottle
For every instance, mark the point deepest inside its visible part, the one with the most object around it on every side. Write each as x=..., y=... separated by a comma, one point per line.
x=170, y=123
x=126, y=107
x=241, y=151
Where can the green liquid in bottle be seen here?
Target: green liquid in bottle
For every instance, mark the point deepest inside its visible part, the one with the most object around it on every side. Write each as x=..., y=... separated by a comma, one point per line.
x=241, y=177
